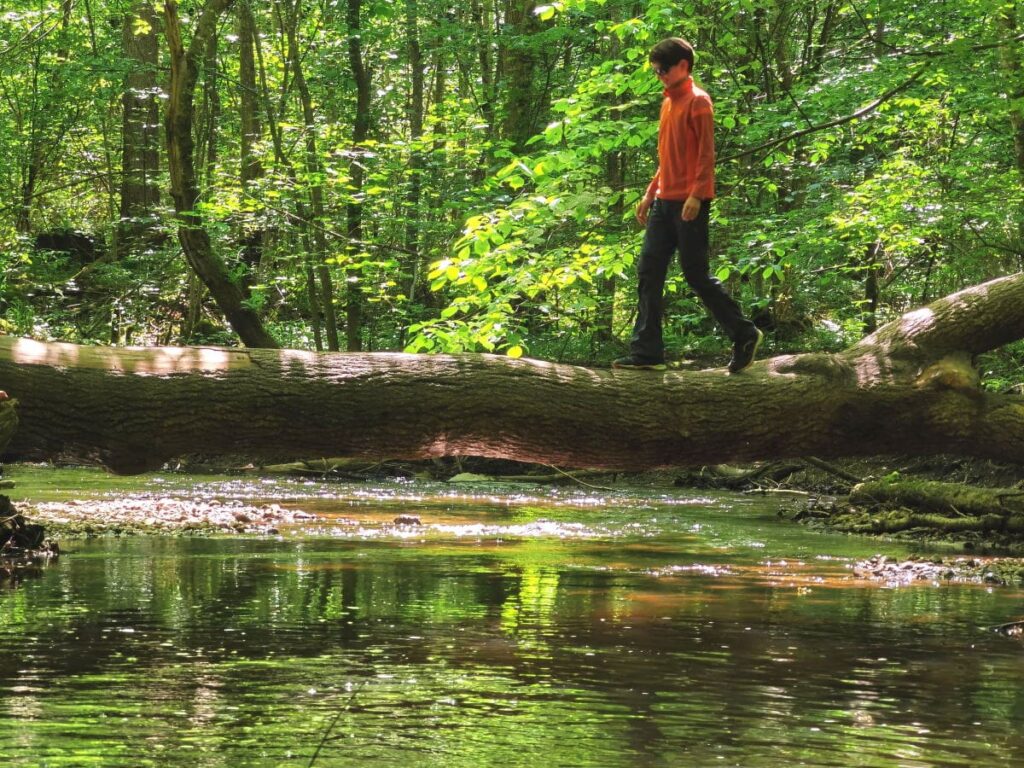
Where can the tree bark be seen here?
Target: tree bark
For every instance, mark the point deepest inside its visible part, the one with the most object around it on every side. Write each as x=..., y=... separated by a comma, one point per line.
x=908, y=388
x=249, y=115
x=140, y=143
x=360, y=132
x=195, y=241
x=518, y=60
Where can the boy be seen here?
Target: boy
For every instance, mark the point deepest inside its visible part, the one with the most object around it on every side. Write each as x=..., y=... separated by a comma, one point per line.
x=675, y=211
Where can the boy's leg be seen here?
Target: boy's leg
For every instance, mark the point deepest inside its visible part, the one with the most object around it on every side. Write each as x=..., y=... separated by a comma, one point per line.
x=659, y=243
x=693, y=257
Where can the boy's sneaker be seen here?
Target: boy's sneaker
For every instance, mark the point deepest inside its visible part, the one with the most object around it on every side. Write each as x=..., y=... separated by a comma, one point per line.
x=743, y=351
x=632, y=362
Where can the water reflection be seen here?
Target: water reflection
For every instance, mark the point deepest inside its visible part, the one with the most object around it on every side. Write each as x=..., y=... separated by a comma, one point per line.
x=657, y=637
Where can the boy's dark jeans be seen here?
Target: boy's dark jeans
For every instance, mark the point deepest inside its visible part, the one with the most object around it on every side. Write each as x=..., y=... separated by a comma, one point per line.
x=667, y=232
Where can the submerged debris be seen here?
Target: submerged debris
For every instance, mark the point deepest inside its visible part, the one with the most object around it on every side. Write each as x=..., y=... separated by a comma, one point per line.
x=991, y=570
x=140, y=514
x=23, y=545
x=408, y=520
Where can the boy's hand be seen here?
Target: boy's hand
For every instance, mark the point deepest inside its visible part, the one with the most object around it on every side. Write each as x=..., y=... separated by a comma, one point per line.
x=641, y=211
x=691, y=208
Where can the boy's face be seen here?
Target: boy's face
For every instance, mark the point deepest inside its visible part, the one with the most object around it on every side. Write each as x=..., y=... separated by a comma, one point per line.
x=673, y=75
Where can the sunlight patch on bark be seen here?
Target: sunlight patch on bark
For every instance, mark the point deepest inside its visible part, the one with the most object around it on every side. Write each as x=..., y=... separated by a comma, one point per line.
x=136, y=360
x=870, y=371
x=917, y=322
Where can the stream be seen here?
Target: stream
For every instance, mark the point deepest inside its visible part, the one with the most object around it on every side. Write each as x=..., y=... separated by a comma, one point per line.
x=515, y=626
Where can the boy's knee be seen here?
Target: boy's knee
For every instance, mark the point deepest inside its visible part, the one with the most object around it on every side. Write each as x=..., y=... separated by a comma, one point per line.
x=697, y=276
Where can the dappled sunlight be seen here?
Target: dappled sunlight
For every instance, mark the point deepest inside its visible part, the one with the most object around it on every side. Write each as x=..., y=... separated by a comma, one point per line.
x=167, y=360
x=31, y=352
x=916, y=322
x=560, y=371
x=782, y=365
x=872, y=369
x=155, y=361
x=868, y=370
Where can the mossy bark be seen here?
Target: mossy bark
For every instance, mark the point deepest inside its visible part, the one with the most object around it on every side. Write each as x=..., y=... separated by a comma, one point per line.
x=943, y=498
x=8, y=422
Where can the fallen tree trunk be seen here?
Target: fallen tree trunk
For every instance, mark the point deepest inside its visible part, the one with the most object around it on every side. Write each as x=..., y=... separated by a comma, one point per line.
x=908, y=388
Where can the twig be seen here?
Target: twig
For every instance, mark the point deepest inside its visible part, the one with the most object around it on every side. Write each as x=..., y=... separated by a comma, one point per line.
x=577, y=480
x=779, y=491
x=334, y=721
x=831, y=470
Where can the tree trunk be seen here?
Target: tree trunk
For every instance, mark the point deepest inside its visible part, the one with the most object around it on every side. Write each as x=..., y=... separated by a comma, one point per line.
x=908, y=388
x=360, y=132
x=517, y=66
x=140, y=142
x=319, y=304
x=211, y=114
x=195, y=241
x=1013, y=71
x=414, y=172
x=249, y=115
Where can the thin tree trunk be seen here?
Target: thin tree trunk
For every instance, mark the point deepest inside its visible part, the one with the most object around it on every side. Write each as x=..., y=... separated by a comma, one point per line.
x=483, y=16
x=360, y=132
x=249, y=115
x=415, y=167
x=314, y=170
x=314, y=301
x=1013, y=71
x=212, y=110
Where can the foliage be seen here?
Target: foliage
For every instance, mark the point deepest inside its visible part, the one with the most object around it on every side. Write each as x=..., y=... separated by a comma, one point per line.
x=497, y=200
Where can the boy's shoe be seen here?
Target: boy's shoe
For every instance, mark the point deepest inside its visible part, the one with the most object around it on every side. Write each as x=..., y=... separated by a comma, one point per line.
x=632, y=362
x=743, y=351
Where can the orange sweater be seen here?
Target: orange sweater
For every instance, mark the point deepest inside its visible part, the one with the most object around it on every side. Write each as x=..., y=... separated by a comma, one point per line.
x=686, y=145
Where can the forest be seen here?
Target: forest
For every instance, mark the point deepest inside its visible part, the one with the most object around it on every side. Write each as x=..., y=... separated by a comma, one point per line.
x=434, y=178
x=393, y=244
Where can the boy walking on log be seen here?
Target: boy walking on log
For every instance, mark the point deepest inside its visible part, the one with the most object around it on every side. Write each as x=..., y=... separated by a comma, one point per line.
x=675, y=211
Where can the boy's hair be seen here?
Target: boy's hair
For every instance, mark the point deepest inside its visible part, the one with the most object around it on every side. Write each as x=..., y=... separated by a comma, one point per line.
x=670, y=52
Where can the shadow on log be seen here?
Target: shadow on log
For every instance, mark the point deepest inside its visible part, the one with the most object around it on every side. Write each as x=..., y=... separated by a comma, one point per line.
x=909, y=388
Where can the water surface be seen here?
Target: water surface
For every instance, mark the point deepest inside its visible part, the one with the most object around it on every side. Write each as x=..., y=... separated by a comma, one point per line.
x=515, y=627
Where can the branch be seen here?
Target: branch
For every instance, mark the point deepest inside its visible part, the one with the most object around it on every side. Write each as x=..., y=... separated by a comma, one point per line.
x=975, y=320
x=832, y=123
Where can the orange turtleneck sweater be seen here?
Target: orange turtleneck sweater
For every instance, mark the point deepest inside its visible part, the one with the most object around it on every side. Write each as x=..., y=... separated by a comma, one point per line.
x=686, y=145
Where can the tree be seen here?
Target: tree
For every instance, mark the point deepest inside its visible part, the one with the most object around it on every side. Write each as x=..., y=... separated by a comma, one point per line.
x=910, y=388
x=195, y=240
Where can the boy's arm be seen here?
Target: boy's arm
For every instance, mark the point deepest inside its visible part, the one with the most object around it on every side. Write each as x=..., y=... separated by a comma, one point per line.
x=645, y=202
x=652, y=188
x=703, y=121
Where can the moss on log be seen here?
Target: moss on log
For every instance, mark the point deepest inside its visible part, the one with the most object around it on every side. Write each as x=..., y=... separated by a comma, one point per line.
x=941, y=498
x=8, y=420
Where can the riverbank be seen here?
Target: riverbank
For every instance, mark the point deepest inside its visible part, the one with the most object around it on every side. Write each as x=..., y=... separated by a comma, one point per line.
x=815, y=494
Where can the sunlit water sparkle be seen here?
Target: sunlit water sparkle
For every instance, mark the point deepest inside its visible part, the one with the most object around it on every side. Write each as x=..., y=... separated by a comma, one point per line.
x=534, y=627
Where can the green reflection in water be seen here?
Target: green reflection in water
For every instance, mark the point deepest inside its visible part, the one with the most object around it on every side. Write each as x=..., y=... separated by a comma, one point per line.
x=548, y=629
